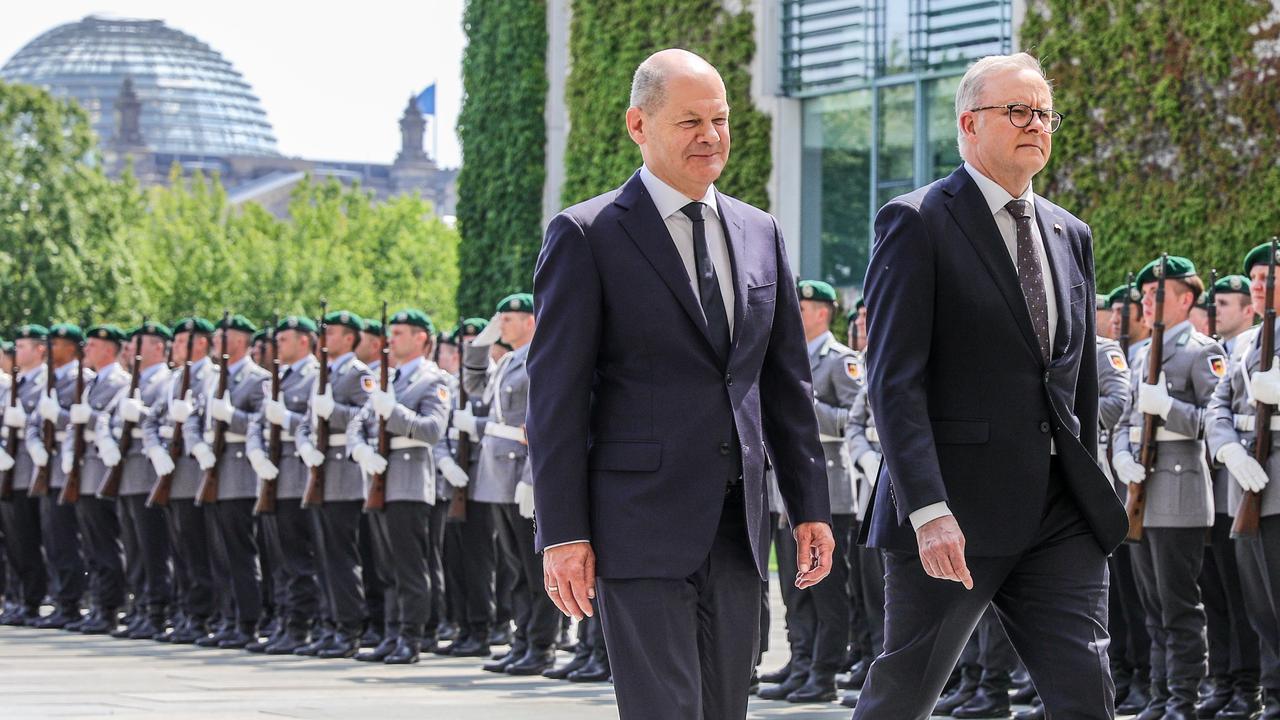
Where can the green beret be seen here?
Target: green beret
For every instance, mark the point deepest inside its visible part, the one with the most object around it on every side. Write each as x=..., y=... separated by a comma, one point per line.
x=159, y=330
x=1202, y=302
x=301, y=323
x=816, y=290
x=1177, y=267
x=374, y=327
x=67, y=331
x=108, y=332
x=1258, y=256
x=519, y=302
x=32, y=332
x=240, y=323
x=6, y=347
x=416, y=318
x=1238, y=284
x=1117, y=296
x=345, y=318
x=260, y=336
x=470, y=326
x=196, y=324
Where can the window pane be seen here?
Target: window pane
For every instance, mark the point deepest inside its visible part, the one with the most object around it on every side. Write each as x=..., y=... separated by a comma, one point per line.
x=837, y=176
x=944, y=156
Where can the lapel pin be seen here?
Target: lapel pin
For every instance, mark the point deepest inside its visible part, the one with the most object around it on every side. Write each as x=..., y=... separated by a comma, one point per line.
x=1057, y=228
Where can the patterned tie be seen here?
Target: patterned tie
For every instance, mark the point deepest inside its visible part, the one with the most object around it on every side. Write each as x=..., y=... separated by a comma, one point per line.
x=708, y=284
x=1030, y=275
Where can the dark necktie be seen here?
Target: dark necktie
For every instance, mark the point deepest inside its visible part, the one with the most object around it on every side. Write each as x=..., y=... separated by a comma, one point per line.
x=708, y=283
x=1030, y=276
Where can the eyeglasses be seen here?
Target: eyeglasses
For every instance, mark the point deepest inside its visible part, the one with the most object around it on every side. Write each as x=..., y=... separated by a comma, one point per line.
x=1020, y=115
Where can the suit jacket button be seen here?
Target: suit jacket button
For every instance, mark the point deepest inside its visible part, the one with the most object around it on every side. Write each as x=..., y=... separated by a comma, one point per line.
x=728, y=378
x=1044, y=427
x=1046, y=377
x=724, y=448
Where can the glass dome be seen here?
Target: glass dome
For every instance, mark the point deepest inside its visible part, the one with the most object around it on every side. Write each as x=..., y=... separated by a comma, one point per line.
x=192, y=100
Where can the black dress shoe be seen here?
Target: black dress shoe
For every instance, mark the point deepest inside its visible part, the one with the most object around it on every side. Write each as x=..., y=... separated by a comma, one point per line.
x=58, y=619
x=237, y=640
x=502, y=636
x=596, y=670
x=534, y=662
x=785, y=688
x=259, y=644
x=984, y=705
x=288, y=644
x=313, y=648
x=370, y=638
x=850, y=700
x=189, y=633
x=80, y=621
x=379, y=653
x=340, y=646
x=1136, y=701
x=1035, y=713
x=857, y=675
x=128, y=625
x=212, y=640
x=777, y=676
x=20, y=616
x=815, y=690
x=473, y=646
x=104, y=623
x=1023, y=694
x=961, y=694
x=147, y=629
x=406, y=652
x=447, y=632
x=1244, y=705
x=500, y=664
x=1270, y=704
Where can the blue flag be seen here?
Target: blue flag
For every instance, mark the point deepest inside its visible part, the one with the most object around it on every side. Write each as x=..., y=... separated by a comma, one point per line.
x=427, y=100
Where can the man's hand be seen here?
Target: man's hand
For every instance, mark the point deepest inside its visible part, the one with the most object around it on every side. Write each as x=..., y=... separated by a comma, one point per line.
x=815, y=547
x=569, y=577
x=942, y=550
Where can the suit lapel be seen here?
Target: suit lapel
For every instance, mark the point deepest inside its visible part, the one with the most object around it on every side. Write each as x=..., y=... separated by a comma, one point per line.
x=1059, y=252
x=737, y=244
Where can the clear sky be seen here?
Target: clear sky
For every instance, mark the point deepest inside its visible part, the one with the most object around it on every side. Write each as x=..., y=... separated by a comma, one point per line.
x=333, y=76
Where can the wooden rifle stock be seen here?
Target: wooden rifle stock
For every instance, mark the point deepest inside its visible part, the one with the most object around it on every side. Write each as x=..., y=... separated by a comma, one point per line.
x=208, y=490
x=6, y=481
x=71, y=489
x=111, y=485
x=313, y=495
x=1137, y=500
x=377, y=498
x=266, y=503
x=458, y=503
x=40, y=484
x=160, y=492
x=1249, y=513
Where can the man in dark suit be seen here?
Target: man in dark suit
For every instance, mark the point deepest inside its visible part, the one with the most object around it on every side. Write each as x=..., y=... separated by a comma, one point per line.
x=669, y=359
x=990, y=490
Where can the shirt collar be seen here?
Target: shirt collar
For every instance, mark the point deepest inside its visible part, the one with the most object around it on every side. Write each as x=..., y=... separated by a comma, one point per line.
x=996, y=196
x=150, y=372
x=297, y=366
x=410, y=367
x=105, y=372
x=340, y=361
x=817, y=343
x=65, y=370
x=237, y=365
x=197, y=365
x=668, y=199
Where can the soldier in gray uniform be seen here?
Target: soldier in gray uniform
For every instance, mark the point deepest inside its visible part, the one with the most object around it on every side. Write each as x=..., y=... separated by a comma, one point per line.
x=1179, y=497
x=238, y=482
x=372, y=340
x=1229, y=433
x=21, y=513
x=864, y=448
x=502, y=478
x=416, y=410
x=58, y=522
x=296, y=342
x=338, y=518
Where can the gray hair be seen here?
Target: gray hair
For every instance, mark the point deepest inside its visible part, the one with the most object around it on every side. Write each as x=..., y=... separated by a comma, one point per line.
x=969, y=92
x=648, y=87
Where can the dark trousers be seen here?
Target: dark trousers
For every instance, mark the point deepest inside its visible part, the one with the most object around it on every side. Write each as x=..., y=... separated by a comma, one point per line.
x=798, y=609
x=541, y=621
x=479, y=537
x=1051, y=599
x=871, y=582
x=455, y=575
x=219, y=564
x=21, y=517
x=235, y=530
x=190, y=531
x=103, y=555
x=436, y=520
x=830, y=599
x=400, y=541
x=1258, y=558
x=135, y=579
x=1233, y=645
x=340, y=527
x=61, y=535
x=683, y=649
x=274, y=584
x=152, y=553
x=315, y=528
x=1130, y=643
x=374, y=592
x=298, y=565
x=1167, y=563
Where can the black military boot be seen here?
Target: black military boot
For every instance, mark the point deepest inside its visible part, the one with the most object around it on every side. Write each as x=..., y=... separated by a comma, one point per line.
x=990, y=701
x=786, y=687
x=240, y=637
x=500, y=664
x=380, y=653
x=1271, y=704
x=1036, y=712
x=850, y=700
x=221, y=631
x=1137, y=699
x=371, y=637
x=104, y=623
x=149, y=627
x=579, y=660
x=259, y=643
x=534, y=661
x=476, y=644
x=819, y=688
x=292, y=639
x=191, y=631
x=1218, y=694
x=407, y=649
x=1246, y=704
x=80, y=621
x=596, y=670
x=321, y=641
x=502, y=635
x=1156, y=705
x=20, y=616
x=129, y=623
x=343, y=644
x=857, y=675
x=963, y=692
x=777, y=676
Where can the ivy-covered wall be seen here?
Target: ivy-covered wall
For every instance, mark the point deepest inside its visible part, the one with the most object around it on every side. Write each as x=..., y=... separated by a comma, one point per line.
x=608, y=40
x=1171, y=128
x=503, y=135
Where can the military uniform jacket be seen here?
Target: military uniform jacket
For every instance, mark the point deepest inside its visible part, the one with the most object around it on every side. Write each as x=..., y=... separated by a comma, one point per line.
x=342, y=479
x=862, y=437
x=296, y=386
x=416, y=424
x=158, y=427
x=1113, y=393
x=101, y=394
x=502, y=457
x=1179, y=493
x=1231, y=418
x=444, y=448
x=30, y=388
x=835, y=386
x=236, y=479
x=65, y=386
x=449, y=446
x=139, y=477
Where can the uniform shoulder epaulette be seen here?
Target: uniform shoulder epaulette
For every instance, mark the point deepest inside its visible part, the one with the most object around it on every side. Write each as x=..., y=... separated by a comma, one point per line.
x=838, y=347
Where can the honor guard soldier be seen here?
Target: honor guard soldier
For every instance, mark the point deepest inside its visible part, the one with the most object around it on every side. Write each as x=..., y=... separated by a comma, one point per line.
x=1139, y=332
x=415, y=408
x=1179, y=497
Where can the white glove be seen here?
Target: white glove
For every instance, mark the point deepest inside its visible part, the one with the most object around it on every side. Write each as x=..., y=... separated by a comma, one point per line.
x=49, y=408
x=491, y=333
x=221, y=408
x=275, y=412
x=38, y=454
x=524, y=498
x=1246, y=470
x=262, y=466
x=311, y=457
x=6, y=461
x=1128, y=469
x=869, y=461
x=322, y=405
x=465, y=421
x=370, y=462
x=384, y=401
x=67, y=461
x=1155, y=399
x=132, y=409
x=1265, y=386
x=204, y=456
x=15, y=416
x=108, y=451
x=182, y=409
x=80, y=413
x=160, y=460
x=453, y=473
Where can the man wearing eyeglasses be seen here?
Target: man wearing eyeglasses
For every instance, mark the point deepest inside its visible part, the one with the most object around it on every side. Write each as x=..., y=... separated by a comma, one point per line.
x=989, y=492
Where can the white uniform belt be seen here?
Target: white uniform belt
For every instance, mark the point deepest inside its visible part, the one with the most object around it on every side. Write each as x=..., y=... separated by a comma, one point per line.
x=1246, y=423
x=90, y=436
x=830, y=438
x=1162, y=435
x=337, y=439
x=166, y=432
x=873, y=435
x=227, y=437
x=508, y=432
x=400, y=442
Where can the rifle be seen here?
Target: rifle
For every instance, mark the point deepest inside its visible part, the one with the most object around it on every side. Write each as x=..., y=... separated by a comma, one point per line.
x=111, y=485
x=1124, y=319
x=1249, y=513
x=71, y=489
x=458, y=503
x=208, y=490
x=377, y=498
x=40, y=485
x=1137, y=500
x=313, y=495
x=164, y=485
x=266, y=504
x=1211, y=306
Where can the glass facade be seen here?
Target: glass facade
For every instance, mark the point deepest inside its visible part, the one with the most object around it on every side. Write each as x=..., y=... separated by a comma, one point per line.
x=877, y=79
